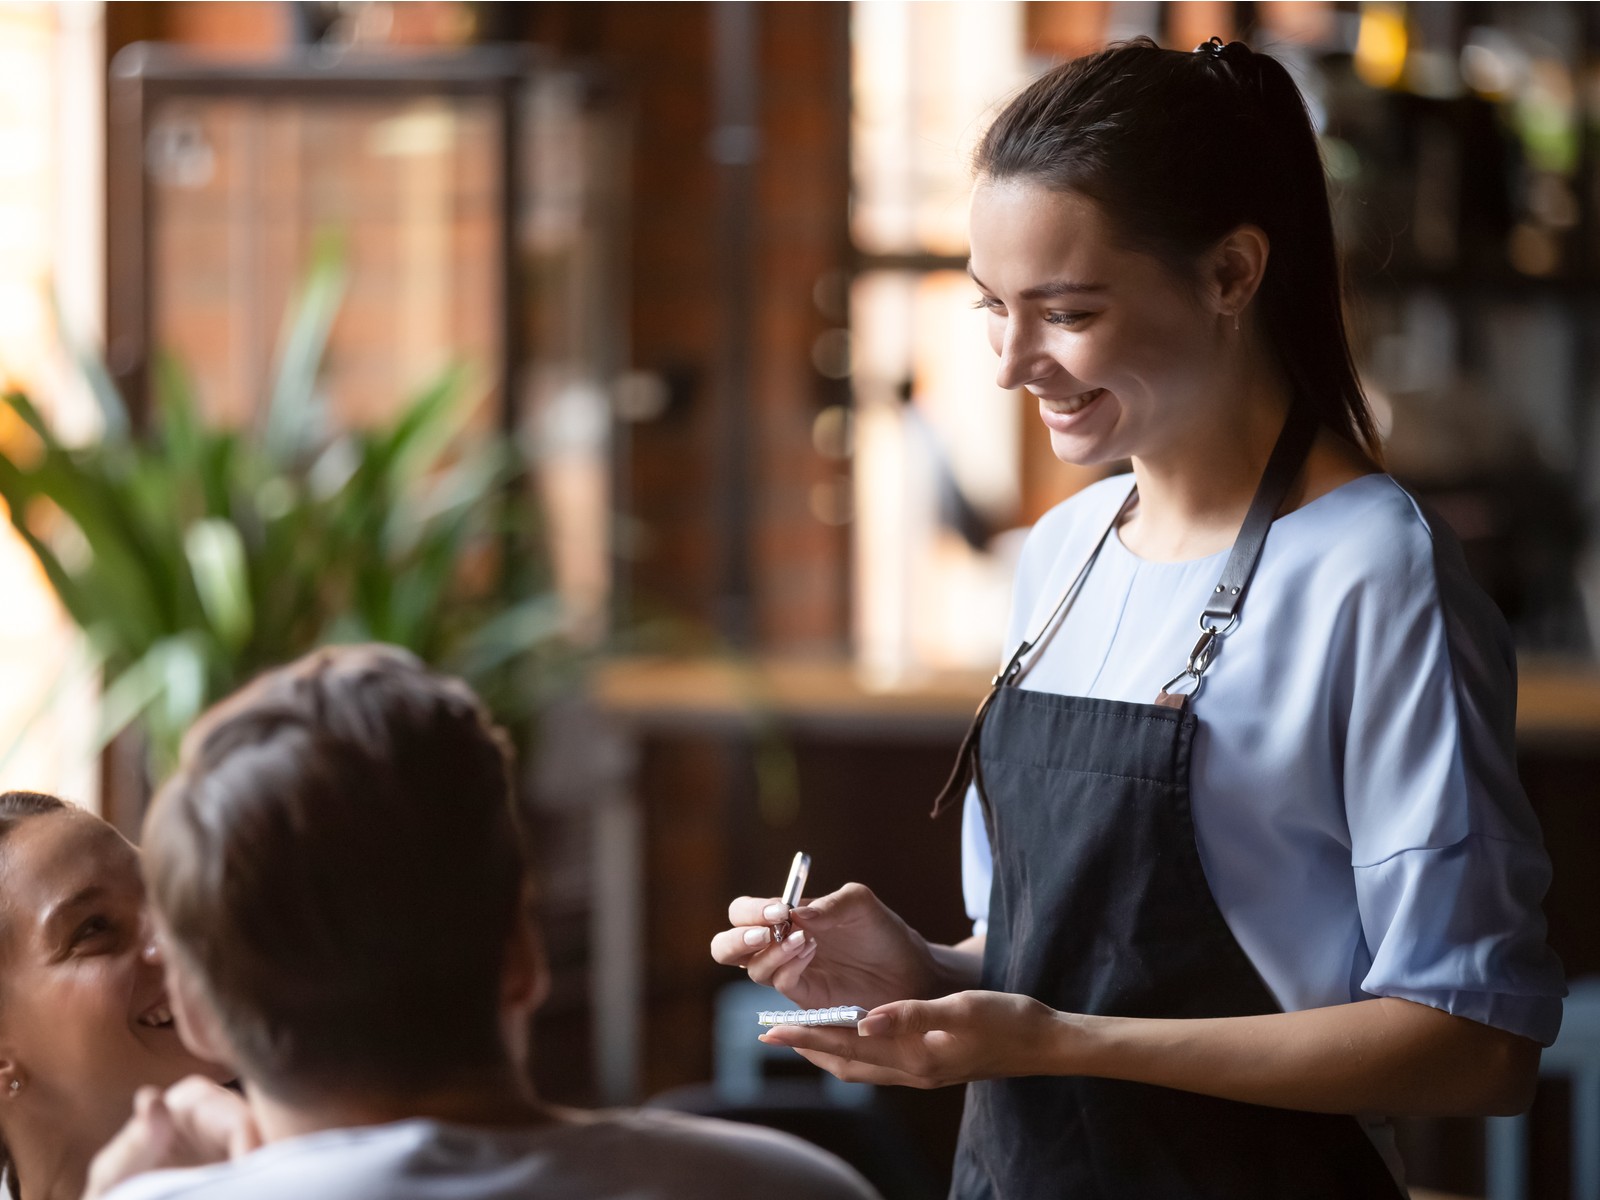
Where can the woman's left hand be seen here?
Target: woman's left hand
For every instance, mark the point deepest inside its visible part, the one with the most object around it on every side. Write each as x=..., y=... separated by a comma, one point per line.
x=935, y=1043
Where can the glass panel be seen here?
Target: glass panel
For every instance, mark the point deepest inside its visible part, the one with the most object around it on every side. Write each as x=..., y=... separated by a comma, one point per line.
x=936, y=477
x=241, y=190
x=575, y=190
x=50, y=59
x=923, y=76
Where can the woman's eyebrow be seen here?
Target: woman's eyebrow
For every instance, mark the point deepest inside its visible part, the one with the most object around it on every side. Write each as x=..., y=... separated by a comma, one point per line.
x=1046, y=291
x=79, y=899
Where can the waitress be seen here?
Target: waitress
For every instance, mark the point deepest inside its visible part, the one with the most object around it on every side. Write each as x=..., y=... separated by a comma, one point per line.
x=1248, y=861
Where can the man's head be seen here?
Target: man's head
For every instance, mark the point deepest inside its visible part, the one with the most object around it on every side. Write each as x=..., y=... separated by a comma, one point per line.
x=336, y=873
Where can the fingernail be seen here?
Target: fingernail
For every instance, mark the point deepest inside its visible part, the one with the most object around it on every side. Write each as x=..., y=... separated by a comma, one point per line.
x=775, y=912
x=756, y=937
x=794, y=941
x=810, y=949
x=803, y=914
x=872, y=1026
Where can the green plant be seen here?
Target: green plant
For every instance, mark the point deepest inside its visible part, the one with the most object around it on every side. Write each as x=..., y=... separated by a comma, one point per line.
x=194, y=556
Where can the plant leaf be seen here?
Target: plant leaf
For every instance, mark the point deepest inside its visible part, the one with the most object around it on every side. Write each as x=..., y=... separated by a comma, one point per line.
x=217, y=562
x=294, y=407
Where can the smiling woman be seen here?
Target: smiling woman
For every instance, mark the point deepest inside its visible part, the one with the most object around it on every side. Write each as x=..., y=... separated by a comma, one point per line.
x=84, y=1021
x=1221, y=932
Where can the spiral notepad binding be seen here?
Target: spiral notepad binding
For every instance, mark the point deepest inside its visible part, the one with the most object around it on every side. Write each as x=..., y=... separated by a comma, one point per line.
x=843, y=1014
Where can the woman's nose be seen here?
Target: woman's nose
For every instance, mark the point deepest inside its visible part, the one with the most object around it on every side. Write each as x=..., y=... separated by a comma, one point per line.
x=150, y=943
x=1019, y=359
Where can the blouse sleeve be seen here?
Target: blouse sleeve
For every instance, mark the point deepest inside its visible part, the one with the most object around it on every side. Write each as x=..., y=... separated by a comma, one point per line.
x=1450, y=868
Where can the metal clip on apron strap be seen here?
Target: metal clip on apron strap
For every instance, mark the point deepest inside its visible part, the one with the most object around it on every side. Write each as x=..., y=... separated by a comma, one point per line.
x=1222, y=610
x=1218, y=619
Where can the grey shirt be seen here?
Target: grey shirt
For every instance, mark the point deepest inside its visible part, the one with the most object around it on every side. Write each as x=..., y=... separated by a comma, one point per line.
x=625, y=1155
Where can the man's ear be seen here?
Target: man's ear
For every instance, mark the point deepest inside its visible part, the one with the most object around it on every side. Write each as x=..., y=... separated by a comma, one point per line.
x=525, y=981
x=1238, y=263
x=198, y=1023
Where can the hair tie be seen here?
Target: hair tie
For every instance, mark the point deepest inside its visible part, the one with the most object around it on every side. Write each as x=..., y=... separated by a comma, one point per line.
x=1233, y=53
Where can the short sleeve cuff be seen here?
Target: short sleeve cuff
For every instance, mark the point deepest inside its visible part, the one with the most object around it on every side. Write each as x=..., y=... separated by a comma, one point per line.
x=1535, y=1017
x=1459, y=928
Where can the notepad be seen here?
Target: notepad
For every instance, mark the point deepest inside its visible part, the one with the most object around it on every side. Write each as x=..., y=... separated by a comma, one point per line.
x=844, y=1014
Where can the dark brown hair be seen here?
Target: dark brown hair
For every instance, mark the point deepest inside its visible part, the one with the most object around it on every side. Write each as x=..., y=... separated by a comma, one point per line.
x=337, y=860
x=1180, y=149
x=16, y=807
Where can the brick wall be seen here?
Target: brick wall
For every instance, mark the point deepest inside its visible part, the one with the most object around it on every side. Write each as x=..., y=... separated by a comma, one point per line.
x=662, y=55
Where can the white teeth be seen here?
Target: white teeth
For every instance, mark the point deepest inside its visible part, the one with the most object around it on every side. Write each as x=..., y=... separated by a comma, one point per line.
x=157, y=1018
x=1073, y=403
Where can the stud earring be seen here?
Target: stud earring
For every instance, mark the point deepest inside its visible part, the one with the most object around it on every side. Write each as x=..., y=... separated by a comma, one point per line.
x=16, y=1086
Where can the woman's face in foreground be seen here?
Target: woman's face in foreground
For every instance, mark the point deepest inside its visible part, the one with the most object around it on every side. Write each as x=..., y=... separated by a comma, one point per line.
x=1121, y=355
x=84, y=1018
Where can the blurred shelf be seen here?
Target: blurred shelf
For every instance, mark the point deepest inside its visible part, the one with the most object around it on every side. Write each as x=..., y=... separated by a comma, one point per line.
x=833, y=696
x=1557, y=701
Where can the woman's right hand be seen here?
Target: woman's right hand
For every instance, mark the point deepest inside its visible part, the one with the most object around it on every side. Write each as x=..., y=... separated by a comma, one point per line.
x=843, y=948
x=195, y=1123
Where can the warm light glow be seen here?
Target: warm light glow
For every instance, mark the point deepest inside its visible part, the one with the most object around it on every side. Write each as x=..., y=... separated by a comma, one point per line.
x=925, y=79
x=926, y=600
x=1381, y=46
x=47, y=218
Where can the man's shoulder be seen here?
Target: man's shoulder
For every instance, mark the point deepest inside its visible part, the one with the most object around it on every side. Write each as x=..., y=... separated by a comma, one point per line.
x=753, y=1155
x=648, y=1155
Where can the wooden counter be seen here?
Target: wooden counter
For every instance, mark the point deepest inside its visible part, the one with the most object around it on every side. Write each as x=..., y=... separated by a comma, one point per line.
x=1555, y=701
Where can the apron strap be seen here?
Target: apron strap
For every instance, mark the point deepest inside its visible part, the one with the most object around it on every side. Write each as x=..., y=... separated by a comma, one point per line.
x=1221, y=613
x=966, y=765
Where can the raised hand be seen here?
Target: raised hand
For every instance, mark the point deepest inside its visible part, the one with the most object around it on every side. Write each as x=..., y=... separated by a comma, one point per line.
x=194, y=1123
x=843, y=948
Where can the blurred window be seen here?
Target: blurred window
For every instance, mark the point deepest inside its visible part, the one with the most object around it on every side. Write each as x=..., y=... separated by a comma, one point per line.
x=242, y=186
x=945, y=476
x=50, y=256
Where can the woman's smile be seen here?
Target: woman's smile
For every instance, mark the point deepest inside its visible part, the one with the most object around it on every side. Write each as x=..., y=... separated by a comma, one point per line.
x=1061, y=415
x=157, y=1016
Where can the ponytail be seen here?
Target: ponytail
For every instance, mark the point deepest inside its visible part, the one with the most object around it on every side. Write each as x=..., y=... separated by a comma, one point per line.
x=1179, y=150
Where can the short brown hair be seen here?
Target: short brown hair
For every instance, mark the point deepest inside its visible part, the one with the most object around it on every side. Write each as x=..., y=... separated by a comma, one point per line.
x=337, y=859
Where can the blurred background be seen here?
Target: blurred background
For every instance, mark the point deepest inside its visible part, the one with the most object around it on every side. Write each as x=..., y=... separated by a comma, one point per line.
x=621, y=358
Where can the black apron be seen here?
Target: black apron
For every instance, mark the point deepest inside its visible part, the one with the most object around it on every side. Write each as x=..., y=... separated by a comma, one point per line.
x=1100, y=905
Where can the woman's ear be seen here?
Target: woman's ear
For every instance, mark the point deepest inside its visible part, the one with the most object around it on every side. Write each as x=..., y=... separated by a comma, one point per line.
x=12, y=1080
x=1237, y=265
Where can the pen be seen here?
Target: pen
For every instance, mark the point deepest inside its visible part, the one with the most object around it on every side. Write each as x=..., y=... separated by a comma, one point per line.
x=793, y=889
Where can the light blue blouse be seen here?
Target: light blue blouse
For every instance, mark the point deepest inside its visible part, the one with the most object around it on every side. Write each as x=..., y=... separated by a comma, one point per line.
x=1353, y=780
